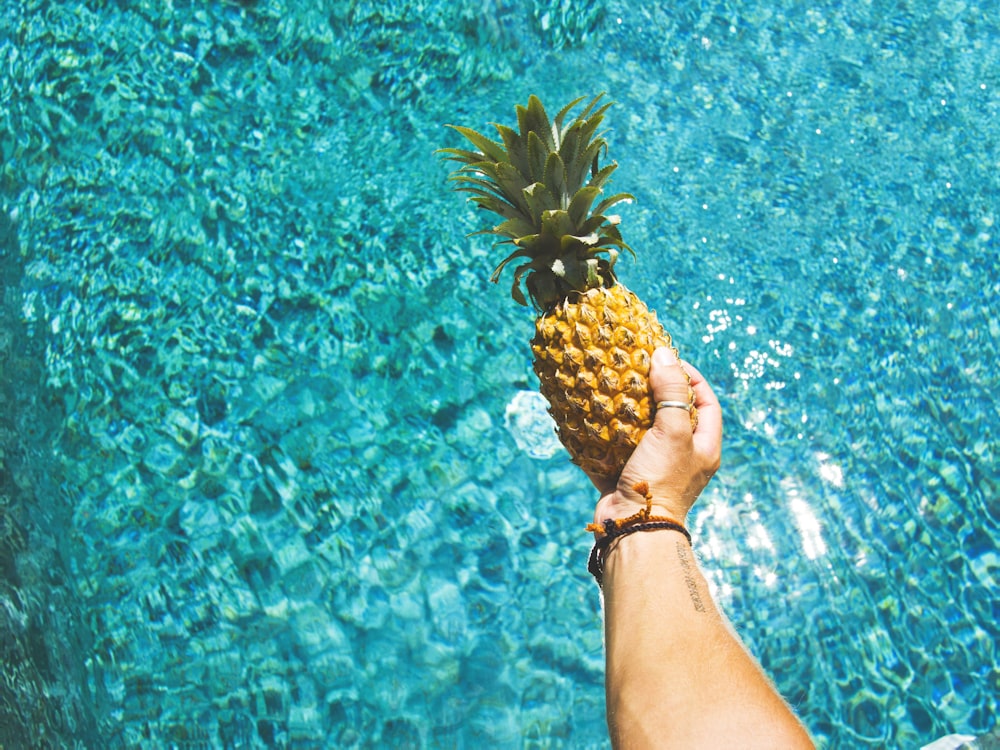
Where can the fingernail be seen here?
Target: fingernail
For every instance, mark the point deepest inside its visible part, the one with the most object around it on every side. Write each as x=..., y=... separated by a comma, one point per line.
x=665, y=356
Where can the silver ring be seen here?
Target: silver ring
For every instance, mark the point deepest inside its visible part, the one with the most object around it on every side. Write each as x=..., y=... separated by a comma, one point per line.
x=676, y=404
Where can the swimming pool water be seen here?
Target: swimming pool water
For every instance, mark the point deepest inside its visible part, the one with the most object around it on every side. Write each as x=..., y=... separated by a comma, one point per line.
x=272, y=475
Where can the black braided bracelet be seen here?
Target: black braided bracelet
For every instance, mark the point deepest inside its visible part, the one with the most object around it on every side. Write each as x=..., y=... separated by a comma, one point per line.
x=612, y=531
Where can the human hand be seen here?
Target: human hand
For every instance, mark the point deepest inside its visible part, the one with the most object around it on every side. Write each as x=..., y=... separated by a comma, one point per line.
x=675, y=462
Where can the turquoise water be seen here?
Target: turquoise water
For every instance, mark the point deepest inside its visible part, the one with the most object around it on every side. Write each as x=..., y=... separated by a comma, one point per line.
x=272, y=475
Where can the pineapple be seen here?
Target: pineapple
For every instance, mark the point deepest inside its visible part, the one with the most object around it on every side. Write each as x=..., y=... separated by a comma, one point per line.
x=593, y=337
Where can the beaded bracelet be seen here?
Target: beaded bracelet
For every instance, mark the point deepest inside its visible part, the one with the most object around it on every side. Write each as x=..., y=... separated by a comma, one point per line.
x=615, y=528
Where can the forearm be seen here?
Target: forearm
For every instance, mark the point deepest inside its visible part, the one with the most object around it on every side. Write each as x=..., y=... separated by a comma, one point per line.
x=677, y=675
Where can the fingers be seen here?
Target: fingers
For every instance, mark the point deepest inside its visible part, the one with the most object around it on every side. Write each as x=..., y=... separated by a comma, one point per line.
x=708, y=436
x=671, y=435
x=673, y=461
x=669, y=383
x=709, y=410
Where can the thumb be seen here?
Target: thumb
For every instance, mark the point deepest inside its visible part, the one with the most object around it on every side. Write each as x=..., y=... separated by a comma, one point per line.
x=670, y=384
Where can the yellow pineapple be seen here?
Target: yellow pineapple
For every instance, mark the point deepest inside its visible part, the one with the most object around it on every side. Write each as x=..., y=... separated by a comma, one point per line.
x=593, y=337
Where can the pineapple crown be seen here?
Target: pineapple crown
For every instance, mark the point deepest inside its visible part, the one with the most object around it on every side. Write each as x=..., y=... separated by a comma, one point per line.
x=543, y=179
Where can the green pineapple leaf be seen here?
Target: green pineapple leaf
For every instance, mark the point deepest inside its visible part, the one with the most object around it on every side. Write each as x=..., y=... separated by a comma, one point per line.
x=490, y=148
x=556, y=224
x=535, y=120
x=602, y=175
x=537, y=154
x=579, y=207
x=607, y=203
x=539, y=200
x=515, y=227
x=555, y=179
x=517, y=150
x=543, y=180
x=561, y=115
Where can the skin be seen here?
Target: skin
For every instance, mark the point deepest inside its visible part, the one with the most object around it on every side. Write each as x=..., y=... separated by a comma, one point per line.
x=677, y=674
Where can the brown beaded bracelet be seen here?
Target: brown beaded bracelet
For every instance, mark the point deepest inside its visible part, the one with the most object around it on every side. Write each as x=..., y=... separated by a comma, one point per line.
x=615, y=528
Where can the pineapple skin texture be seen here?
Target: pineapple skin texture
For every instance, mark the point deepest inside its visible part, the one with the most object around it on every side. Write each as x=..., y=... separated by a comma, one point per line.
x=592, y=357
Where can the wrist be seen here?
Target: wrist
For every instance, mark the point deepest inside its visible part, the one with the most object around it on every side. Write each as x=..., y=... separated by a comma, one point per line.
x=624, y=504
x=623, y=511
x=658, y=551
x=610, y=531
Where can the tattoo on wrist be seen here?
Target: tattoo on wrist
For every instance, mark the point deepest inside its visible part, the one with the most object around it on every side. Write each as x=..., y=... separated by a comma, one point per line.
x=692, y=585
